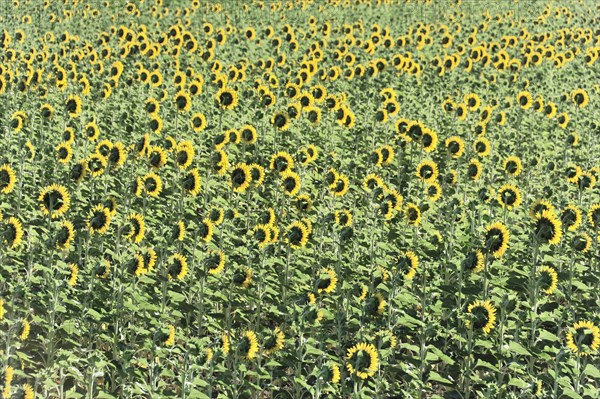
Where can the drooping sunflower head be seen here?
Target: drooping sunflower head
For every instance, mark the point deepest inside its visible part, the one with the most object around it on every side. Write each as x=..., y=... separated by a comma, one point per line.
x=362, y=360
x=548, y=279
x=474, y=261
x=281, y=162
x=547, y=228
x=571, y=217
x=594, y=216
x=584, y=338
x=385, y=339
x=427, y=171
x=99, y=219
x=177, y=266
x=581, y=242
x=509, y=196
x=247, y=346
x=406, y=263
x=54, y=200
x=539, y=206
x=513, y=166
x=482, y=316
x=64, y=236
x=474, y=169
x=8, y=179
x=191, y=182
x=240, y=178
x=412, y=213
x=290, y=182
x=274, y=341
x=12, y=232
x=495, y=239
x=327, y=281
x=297, y=235
x=215, y=262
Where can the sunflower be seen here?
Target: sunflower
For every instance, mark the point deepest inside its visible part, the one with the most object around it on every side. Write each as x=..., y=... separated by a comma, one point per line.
x=8, y=178
x=548, y=279
x=571, y=217
x=247, y=347
x=240, y=178
x=183, y=101
x=495, y=239
x=262, y=234
x=472, y=101
x=343, y=217
x=412, y=213
x=429, y=140
x=102, y=270
x=524, y=99
x=169, y=340
x=205, y=229
x=95, y=164
x=54, y=200
x=582, y=243
x=407, y=263
x=157, y=157
x=73, y=106
x=135, y=229
x=327, y=281
x=73, y=273
x=547, y=227
x=297, y=234
x=540, y=206
x=427, y=171
x=433, y=191
x=78, y=171
x=340, y=187
x=198, y=122
x=92, y=131
x=243, y=277
x=372, y=181
x=483, y=316
x=594, y=216
x=563, y=120
x=580, y=98
x=184, y=154
x=215, y=262
x=362, y=360
x=177, y=266
x=474, y=261
x=274, y=341
x=191, y=182
x=24, y=330
x=152, y=184
x=226, y=98
x=455, y=146
x=513, y=166
x=99, y=219
x=583, y=338
x=281, y=120
x=509, y=196
x=482, y=147
x=290, y=181
x=64, y=236
x=216, y=215
x=12, y=232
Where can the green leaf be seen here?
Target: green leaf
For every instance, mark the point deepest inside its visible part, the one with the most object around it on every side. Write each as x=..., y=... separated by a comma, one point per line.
x=592, y=371
x=483, y=363
x=433, y=376
x=569, y=393
x=517, y=382
x=517, y=348
x=548, y=336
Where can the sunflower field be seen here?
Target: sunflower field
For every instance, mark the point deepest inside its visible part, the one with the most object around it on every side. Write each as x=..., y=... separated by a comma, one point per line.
x=299, y=199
